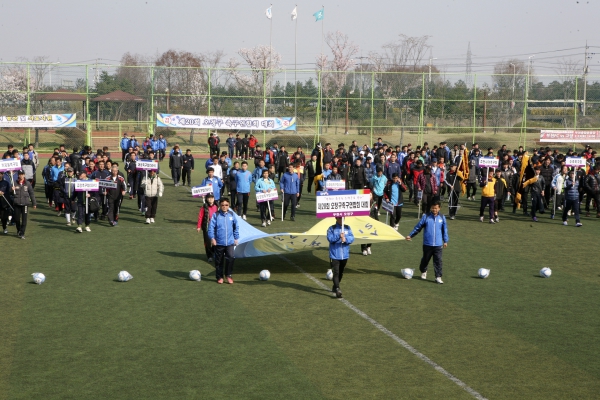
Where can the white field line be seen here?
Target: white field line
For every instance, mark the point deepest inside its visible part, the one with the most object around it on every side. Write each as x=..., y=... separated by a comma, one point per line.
x=393, y=336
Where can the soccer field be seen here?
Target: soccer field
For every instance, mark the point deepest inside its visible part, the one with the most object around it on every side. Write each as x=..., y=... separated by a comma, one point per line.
x=83, y=335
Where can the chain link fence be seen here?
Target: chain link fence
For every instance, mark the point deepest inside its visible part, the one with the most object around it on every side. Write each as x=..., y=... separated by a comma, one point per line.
x=329, y=106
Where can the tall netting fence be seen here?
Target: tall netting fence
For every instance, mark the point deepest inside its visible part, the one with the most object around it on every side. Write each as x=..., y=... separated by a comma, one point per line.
x=329, y=106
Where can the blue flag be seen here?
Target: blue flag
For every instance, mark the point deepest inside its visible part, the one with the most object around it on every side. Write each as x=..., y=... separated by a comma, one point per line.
x=319, y=14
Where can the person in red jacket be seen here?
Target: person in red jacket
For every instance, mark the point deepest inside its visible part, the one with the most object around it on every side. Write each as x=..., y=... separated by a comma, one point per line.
x=204, y=216
x=252, y=142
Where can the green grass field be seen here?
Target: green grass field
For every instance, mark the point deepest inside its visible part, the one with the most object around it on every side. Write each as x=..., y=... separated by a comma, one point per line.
x=84, y=335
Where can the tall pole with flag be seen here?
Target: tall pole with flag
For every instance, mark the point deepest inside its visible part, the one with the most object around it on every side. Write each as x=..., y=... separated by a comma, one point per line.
x=295, y=19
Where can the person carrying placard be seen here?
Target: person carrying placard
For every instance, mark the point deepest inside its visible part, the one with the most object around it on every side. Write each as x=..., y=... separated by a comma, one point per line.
x=340, y=238
x=153, y=189
x=23, y=194
x=115, y=196
x=215, y=182
x=265, y=185
x=83, y=212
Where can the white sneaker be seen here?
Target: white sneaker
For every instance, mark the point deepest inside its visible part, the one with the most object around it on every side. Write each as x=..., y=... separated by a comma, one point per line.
x=87, y=229
x=565, y=223
x=297, y=205
x=424, y=275
x=481, y=219
x=151, y=220
x=378, y=213
x=263, y=224
x=244, y=217
x=364, y=252
x=147, y=220
x=6, y=231
x=369, y=250
x=396, y=227
x=268, y=222
x=439, y=280
x=79, y=230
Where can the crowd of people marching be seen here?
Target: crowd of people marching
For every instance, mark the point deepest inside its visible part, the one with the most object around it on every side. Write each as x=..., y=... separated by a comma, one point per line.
x=536, y=182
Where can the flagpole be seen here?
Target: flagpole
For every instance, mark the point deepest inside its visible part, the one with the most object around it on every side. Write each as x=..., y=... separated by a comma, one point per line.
x=270, y=56
x=296, y=68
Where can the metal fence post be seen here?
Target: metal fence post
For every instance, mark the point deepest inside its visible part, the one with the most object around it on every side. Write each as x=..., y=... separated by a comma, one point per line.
x=575, y=107
x=421, y=139
x=151, y=125
x=524, y=117
x=372, y=105
x=88, y=127
x=474, y=106
x=28, y=105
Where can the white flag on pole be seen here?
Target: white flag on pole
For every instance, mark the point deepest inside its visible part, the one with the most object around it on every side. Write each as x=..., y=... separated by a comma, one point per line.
x=294, y=13
x=268, y=13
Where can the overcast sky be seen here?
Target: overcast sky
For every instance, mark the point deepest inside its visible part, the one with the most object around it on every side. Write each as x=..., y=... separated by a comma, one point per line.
x=84, y=30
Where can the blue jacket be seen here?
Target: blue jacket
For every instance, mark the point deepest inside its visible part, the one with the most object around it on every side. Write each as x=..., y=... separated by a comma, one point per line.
x=216, y=183
x=391, y=168
x=124, y=144
x=55, y=172
x=257, y=174
x=572, y=189
x=224, y=228
x=436, y=230
x=133, y=143
x=230, y=142
x=379, y=183
x=243, y=180
x=289, y=183
x=337, y=249
x=396, y=197
x=262, y=185
x=155, y=144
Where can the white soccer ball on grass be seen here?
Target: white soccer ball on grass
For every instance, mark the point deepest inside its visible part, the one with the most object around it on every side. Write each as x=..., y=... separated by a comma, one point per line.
x=38, y=278
x=264, y=275
x=407, y=273
x=125, y=276
x=329, y=275
x=195, y=275
x=545, y=272
x=483, y=273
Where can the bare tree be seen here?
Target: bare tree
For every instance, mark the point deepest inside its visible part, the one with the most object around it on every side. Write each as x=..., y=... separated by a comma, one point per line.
x=334, y=72
x=509, y=80
x=263, y=63
x=398, y=67
x=568, y=70
x=181, y=78
x=131, y=69
x=14, y=87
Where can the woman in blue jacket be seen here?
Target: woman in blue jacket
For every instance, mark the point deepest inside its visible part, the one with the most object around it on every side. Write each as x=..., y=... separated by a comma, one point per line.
x=264, y=185
x=435, y=238
x=340, y=240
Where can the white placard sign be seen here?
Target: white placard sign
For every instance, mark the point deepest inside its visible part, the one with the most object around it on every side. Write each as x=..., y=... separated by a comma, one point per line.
x=146, y=165
x=268, y=196
x=387, y=206
x=575, y=161
x=343, y=203
x=10, y=164
x=201, y=191
x=108, y=184
x=488, y=162
x=87, y=186
x=335, y=185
